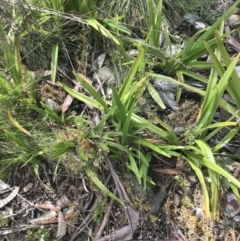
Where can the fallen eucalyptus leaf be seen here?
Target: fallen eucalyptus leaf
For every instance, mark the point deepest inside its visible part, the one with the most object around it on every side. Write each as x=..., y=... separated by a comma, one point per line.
x=61, y=226
x=46, y=218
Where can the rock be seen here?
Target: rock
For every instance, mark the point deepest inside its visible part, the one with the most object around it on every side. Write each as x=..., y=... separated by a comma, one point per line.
x=195, y=20
x=106, y=74
x=234, y=21
x=167, y=91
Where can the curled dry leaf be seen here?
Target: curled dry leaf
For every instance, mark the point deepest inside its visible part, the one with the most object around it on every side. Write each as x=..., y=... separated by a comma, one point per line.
x=47, y=205
x=3, y=185
x=46, y=218
x=98, y=62
x=69, y=212
x=169, y=171
x=69, y=99
x=40, y=73
x=6, y=200
x=63, y=202
x=27, y=188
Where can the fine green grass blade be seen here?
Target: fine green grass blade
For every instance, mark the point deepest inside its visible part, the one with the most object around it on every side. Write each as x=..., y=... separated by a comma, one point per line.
x=5, y=86
x=56, y=150
x=17, y=141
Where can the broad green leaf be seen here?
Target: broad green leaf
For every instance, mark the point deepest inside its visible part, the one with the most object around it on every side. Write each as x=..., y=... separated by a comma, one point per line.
x=120, y=111
x=195, y=75
x=54, y=62
x=126, y=127
x=91, y=90
x=86, y=99
x=148, y=144
x=213, y=166
x=200, y=65
x=234, y=82
x=155, y=96
x=16, y=124
x=131, y=74
x=133, y=166
x=51, y=113
x=215, y=185
x=114, y=25
x=209, y=33
x=144, y=167
x=226, y=139
x=158, y=23
x=235, y=191
x=166, y=78
x=218, y=125
x=99, y=27
x=200, y=176
x=102, y=122
x=100, y=185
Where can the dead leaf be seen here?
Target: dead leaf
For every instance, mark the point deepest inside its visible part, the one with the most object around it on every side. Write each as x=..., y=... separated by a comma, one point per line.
x=47, y=205
x=98, y=62
x=27, y=188
x=16, y=124
x=40, y=73
x=69, y=99
x=46, y=218
x=6, y=200
x=167, y=171
x=61, y=226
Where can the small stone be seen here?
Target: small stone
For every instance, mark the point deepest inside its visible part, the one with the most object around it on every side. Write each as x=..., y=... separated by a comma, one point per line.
x=106, y=74
x=234, y=21
x=191, y=18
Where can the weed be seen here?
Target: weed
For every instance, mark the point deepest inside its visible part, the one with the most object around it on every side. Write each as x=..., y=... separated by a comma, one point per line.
x=42, y=234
